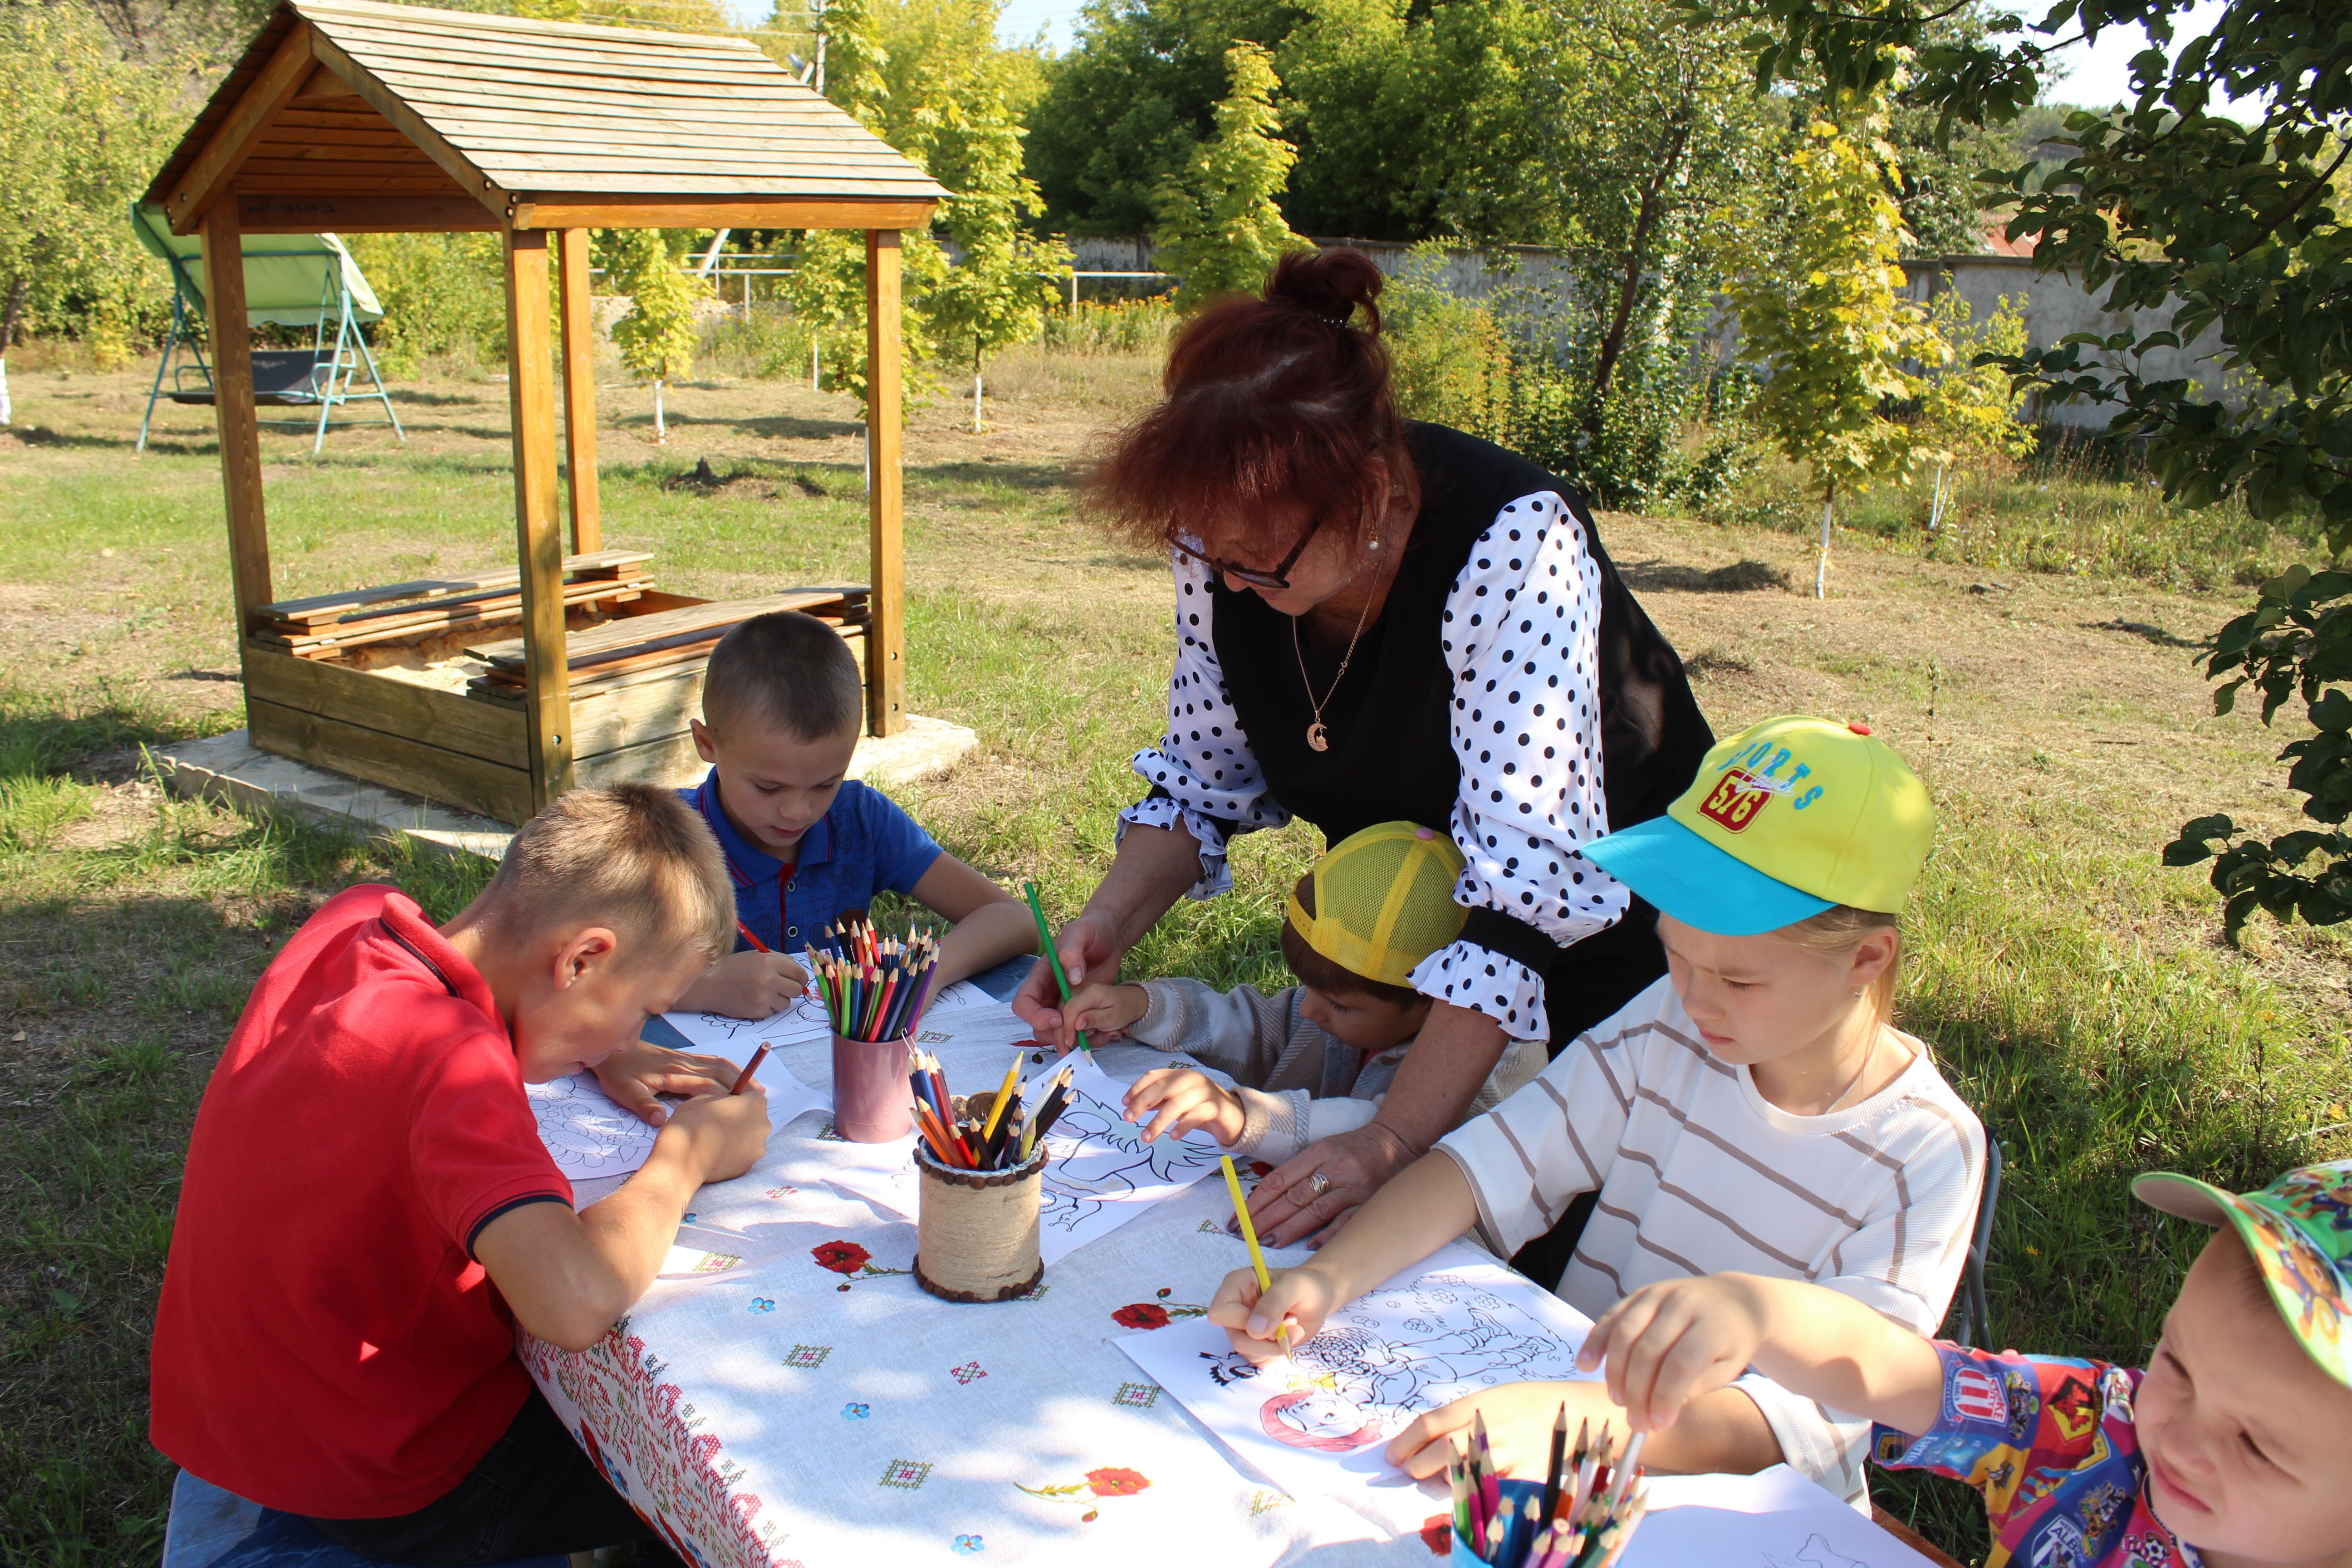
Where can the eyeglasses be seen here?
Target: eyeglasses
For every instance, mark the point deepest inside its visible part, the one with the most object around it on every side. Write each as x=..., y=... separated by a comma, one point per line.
x=1257, y=577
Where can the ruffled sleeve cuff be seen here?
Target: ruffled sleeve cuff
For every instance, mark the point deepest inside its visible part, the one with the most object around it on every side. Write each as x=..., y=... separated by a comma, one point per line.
x=1160, y=811
x=1486, y=982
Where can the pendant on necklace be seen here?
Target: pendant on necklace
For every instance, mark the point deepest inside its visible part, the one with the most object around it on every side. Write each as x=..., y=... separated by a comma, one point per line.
x=1315, y=738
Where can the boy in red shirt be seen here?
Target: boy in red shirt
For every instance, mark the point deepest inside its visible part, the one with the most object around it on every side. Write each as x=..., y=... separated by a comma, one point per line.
x=368, y=1211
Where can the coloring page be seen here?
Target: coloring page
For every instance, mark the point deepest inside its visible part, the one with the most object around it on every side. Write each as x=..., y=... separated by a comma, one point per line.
x=588, y=1134
x=1776, y=1519
x=592, y=1138
x=736, y=1038
x=1453, y=1324
x=1099, y=1174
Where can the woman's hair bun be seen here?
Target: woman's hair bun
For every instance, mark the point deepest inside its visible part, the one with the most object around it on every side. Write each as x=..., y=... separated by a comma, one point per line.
x=1331, y=284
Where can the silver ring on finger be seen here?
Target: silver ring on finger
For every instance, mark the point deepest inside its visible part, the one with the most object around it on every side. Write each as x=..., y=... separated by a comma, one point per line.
x=1318, y=1184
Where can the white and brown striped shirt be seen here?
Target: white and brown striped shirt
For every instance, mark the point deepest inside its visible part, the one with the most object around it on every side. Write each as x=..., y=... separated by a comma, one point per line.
x=1699, y=1174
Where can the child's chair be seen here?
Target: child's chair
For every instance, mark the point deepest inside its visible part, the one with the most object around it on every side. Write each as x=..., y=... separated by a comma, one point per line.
x=213, y=1529
x=1976, y=1320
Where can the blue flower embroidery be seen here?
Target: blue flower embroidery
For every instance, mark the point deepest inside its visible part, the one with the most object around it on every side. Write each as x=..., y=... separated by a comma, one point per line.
x=761, y=1304
x=856, y=1412
x=968, y=1546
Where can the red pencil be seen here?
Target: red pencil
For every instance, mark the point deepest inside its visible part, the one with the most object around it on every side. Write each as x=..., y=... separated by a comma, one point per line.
x=749, y=937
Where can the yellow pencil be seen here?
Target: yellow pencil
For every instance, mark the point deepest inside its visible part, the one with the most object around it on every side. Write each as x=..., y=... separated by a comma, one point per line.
x=1003, y=1095
x=1249, y=1234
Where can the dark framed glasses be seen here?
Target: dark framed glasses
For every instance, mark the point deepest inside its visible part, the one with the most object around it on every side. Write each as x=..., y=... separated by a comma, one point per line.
x=1257, y=577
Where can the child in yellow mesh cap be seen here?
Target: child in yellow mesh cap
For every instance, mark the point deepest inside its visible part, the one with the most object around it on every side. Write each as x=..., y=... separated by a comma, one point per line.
x=1315, y=1059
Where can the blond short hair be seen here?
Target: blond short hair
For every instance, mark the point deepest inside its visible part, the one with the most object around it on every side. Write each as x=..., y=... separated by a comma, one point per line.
x=1838, y=930
x=631, y=856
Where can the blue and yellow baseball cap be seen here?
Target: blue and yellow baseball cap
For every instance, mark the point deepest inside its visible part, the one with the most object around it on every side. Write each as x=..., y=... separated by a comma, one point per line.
x=2299, y=1229
x=1786, y=819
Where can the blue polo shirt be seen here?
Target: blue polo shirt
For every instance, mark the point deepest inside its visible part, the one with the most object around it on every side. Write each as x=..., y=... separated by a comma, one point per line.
x=864, y=845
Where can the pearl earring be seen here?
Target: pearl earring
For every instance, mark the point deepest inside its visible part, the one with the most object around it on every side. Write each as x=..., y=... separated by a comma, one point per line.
x=1374, y=543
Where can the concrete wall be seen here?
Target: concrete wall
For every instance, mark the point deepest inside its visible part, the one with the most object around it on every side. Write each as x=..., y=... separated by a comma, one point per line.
x=2053, y=304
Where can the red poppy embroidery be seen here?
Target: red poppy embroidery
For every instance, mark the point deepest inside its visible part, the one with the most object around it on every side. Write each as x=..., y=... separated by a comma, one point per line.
x=840, y=1257
x=1137, y=1315
x=1437, y=1534
x=1112, y=1481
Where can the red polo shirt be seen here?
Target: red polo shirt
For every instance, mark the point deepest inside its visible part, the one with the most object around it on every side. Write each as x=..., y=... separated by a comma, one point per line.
x=326, y=1343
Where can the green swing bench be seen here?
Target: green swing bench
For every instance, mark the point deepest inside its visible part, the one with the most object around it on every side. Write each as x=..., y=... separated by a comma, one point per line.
x=290, y=280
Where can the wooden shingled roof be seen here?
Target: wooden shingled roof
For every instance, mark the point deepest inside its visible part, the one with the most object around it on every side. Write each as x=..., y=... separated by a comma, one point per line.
x=344, y=109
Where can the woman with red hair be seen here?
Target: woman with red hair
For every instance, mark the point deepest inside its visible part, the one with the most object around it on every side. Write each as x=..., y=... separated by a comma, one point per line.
x=1380, y=620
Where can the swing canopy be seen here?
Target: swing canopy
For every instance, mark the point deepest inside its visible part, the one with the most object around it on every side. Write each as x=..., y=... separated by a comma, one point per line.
x=286, y=275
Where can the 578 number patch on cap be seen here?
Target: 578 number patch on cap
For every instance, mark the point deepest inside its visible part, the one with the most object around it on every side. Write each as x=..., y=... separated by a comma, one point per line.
x=1736, y=799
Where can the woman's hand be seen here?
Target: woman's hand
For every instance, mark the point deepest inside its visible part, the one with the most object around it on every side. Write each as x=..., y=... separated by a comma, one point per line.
x=634, y=1075
x=1311, y=1194
x=1520, y=1417
x=1299, y=1299
x=1088, y=947
x=1178, y=1099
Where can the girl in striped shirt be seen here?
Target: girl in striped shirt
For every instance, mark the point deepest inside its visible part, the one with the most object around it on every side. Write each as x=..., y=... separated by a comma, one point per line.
x=1754, y=1111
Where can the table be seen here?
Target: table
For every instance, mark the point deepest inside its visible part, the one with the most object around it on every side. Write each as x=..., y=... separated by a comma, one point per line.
x=787, y=1397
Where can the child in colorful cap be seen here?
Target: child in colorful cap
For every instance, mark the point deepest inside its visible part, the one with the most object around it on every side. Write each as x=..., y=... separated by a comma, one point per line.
x=1317, y=1058
x=1754, y=1110
x=2229, y=1448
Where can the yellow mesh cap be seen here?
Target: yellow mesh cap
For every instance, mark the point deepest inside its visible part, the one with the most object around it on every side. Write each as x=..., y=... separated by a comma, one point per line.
x=1383, y=901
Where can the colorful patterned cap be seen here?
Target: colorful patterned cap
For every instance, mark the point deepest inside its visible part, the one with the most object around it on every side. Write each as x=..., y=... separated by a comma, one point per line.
x=1383, y=901
x=2299, y=1229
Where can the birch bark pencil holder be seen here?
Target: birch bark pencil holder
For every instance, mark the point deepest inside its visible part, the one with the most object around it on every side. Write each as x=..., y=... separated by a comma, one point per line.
x=976, y=1231
x=872, y=1102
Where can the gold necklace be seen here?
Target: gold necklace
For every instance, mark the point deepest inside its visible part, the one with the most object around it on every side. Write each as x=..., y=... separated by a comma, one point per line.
x=1317, y=737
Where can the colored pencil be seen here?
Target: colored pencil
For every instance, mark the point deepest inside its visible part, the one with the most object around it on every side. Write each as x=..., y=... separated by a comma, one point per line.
x=1558, y=1457
x=1046, y=945
x=749, y=937
x=1005, y=1092
x=744, y=1078
x=1249, y=1236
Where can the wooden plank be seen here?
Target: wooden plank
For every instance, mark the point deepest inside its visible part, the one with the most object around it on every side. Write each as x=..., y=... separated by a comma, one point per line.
x=757, y=163
x=621, y=79
x=405, y=120
x=380, y=757
x=588, y=129
x=646, y=710
x=512, y=102
x=567, y=210
x=499, y=56
x=240, y=433
x=372, y=14
x=579, y=391
x=601, y=560
x=295, y=132
x=665, y=761
x=885, y=668
x=539, y=540
x=403, y=708
x=331, y=174
x=232, y=141
x=271, y=213
x=667, y=623
x=477, y=614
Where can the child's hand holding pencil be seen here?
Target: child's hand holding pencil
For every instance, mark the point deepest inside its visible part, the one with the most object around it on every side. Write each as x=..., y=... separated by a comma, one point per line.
x=1290, y=1310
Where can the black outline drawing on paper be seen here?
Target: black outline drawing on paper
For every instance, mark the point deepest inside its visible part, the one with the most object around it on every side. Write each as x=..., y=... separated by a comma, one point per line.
x=1113, y=1162
x=1354, y=1385
x=587, y=1133
x=808, y=1010
x=1817, y=1552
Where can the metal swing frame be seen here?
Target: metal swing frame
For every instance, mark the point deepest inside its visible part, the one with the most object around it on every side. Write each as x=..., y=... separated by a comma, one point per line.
x=325, y=381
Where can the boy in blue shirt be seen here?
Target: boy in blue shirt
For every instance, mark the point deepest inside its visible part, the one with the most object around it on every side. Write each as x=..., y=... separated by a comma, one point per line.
x=782, y=707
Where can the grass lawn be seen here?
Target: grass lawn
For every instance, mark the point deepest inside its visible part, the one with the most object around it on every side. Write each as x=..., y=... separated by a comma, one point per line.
x=2074, y=990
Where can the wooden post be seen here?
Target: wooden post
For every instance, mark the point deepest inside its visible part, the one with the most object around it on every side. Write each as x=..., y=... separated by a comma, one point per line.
x=580, y=394
x=240, y=436
x=539, y=545
x=885, y=632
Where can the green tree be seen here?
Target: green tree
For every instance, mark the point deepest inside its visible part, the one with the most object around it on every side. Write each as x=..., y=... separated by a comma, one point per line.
x=1003, y=279
x=1969, y=407
x=82, y=128
x=2238, y=226
x=656, y=339
x=1828, y=324
x=1219, y=227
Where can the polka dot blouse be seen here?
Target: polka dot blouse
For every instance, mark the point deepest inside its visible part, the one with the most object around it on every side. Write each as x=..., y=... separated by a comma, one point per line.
x=1521, y=630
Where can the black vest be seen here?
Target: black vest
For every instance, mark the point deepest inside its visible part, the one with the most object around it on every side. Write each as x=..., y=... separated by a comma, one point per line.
x=1391, y=756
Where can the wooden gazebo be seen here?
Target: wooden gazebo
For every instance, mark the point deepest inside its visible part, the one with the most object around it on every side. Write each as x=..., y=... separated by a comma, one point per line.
x=348, y=116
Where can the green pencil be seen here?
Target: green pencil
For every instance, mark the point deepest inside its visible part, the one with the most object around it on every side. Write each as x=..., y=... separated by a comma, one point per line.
x=1045, y=941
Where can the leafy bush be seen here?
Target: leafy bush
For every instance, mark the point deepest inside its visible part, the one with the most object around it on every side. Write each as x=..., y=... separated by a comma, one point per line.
x=444, y=298
x=1112, y=327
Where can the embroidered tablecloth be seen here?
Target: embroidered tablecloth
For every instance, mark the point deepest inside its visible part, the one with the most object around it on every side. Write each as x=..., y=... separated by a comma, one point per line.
x=785, y=1396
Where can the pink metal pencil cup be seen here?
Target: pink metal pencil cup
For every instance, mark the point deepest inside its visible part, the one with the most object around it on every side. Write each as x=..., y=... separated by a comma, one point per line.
x=872, y=1102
